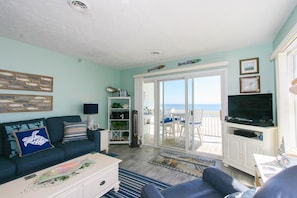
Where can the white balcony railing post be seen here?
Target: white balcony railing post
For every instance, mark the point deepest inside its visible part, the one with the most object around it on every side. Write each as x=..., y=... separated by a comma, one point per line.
x=211, y=124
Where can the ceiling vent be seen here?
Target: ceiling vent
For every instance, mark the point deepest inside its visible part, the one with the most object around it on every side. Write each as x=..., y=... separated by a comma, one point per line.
x=80, y=6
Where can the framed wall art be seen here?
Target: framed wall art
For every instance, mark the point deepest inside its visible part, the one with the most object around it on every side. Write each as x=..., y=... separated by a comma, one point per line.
x=22, y=81
x=25, y=103
x=249, y=84
x=249, y=66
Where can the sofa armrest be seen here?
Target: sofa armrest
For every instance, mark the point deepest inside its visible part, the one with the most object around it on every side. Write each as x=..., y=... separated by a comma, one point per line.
x=222, y=182
x=91, y=135
x=282, y=185
x=94, y=135
x=150, y=190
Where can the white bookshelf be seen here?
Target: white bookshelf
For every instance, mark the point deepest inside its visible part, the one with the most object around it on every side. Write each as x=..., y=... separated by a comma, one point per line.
x=119, y=120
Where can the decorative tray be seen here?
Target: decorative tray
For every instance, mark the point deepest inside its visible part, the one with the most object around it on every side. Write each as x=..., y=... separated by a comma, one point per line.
x=63, y=171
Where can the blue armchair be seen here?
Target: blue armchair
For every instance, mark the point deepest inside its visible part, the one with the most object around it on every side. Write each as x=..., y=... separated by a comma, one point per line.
x=216, y=183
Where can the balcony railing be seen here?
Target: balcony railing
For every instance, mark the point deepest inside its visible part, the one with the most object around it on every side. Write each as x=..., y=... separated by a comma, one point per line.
x=211, y=123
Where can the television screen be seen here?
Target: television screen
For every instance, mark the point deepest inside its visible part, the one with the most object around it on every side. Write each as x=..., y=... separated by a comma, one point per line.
x=254, y=109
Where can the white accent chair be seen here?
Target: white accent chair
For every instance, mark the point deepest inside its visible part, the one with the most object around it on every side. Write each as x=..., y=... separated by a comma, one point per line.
x=195, y=120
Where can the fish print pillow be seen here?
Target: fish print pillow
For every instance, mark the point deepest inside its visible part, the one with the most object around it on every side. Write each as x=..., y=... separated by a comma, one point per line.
x=32, y=141
x=10, y=145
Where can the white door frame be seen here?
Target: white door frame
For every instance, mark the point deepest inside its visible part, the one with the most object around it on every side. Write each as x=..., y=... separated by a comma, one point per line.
x=224, y=91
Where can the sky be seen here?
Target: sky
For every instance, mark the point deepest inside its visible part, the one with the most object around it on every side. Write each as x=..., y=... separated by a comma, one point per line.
x=207, y=90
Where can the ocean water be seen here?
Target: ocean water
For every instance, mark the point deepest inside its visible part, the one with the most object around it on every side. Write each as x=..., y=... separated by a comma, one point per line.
x=210, y=107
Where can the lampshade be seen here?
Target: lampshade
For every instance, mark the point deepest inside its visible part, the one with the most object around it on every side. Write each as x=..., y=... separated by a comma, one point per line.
x=293, y=88
x=90, y=108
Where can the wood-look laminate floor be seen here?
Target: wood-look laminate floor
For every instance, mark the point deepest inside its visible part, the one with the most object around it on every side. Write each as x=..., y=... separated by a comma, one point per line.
x=136, y=160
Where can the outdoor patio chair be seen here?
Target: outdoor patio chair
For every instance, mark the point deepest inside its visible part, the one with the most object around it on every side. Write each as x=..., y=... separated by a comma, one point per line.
x=168, y=123
x=195, y=122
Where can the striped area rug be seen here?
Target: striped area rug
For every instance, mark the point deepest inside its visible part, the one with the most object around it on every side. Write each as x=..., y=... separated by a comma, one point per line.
x=131, y=184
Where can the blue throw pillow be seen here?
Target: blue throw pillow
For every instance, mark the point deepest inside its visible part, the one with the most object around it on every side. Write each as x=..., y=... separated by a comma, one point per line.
x=167, y=119
x=31, y=141
x=9, y=128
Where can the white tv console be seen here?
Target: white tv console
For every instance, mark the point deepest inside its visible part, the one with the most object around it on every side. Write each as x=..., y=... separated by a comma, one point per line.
x=238, y=150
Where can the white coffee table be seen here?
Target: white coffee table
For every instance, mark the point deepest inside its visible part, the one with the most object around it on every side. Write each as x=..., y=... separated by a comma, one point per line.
x=266, y=167
x=92, y=181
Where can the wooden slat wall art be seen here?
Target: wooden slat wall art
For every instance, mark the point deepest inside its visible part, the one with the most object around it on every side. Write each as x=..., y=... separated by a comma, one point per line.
x=23, y=81
x=25, y=103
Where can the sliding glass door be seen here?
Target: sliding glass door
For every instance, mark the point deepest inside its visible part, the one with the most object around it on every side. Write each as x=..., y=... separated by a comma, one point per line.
x=149, y=115
x=204, y=117
x=184, y=112
x=172, y=112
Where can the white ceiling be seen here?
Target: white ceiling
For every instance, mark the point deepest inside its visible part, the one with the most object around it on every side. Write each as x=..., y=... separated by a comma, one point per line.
x=123, y=33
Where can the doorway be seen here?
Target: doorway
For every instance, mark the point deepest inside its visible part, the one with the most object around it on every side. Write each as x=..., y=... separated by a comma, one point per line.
x=183, y=112
x=205, y=107
x=172, y=105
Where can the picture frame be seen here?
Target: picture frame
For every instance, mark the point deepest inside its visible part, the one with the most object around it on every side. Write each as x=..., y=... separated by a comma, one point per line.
x=12, y=80
x=249, y=66
x=250, y=84
x=11, y=103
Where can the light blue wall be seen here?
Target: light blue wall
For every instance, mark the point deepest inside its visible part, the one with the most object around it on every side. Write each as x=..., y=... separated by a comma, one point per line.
x=267, y=68
x=291, y=21
x=267, y=71
x=75, y=82
x=78, y=82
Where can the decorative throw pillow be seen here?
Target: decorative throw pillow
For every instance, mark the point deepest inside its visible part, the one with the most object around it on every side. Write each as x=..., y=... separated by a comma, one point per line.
x=9, y=128
x=167, y=119
x=74, y=131
x=31, y=141
x=246, y=194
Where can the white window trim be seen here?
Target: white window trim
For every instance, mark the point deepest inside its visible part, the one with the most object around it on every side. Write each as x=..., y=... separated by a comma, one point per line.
x=216, y=69
x=283, y=56
x=182, y=69
x=285, y=114
x=140, y=78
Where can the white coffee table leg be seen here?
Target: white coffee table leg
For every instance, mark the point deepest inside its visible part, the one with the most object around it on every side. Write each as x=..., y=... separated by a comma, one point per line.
x=117, y=187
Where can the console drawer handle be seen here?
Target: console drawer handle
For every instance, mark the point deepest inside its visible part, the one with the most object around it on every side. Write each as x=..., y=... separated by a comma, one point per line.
x=102, y=183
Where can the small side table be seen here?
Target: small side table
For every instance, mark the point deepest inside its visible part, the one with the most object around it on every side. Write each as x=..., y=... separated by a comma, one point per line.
x=104, y=140
x=266, y=167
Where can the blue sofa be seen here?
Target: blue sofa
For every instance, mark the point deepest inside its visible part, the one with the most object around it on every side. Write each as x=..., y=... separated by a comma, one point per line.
x=13, y=166
x=214, y=183
x=217, y=184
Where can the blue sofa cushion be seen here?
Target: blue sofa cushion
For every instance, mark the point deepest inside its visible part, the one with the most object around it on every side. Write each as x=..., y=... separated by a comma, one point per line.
x=7, y=167
x=1, y=141
x=214, y=183
x=222, y=182
x=281, y=185
x=76, y=148
x=32, y=141
x=166, y=120
x=10, y=145
x=194, y=188
x=247, y=194
x=74, y=131
x=150, y=190
x=55, y=126
x=38, y=161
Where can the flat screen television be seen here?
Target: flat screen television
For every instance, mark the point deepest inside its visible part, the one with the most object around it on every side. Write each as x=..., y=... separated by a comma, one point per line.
x=252, y=109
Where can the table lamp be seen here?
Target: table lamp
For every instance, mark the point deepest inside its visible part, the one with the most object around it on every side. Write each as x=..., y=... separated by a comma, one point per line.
x=293, y=88
x=90, y=109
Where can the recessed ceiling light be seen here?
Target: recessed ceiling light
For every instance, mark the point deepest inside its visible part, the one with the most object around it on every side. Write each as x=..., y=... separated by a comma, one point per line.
x=78, y=5
x=155, y=52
